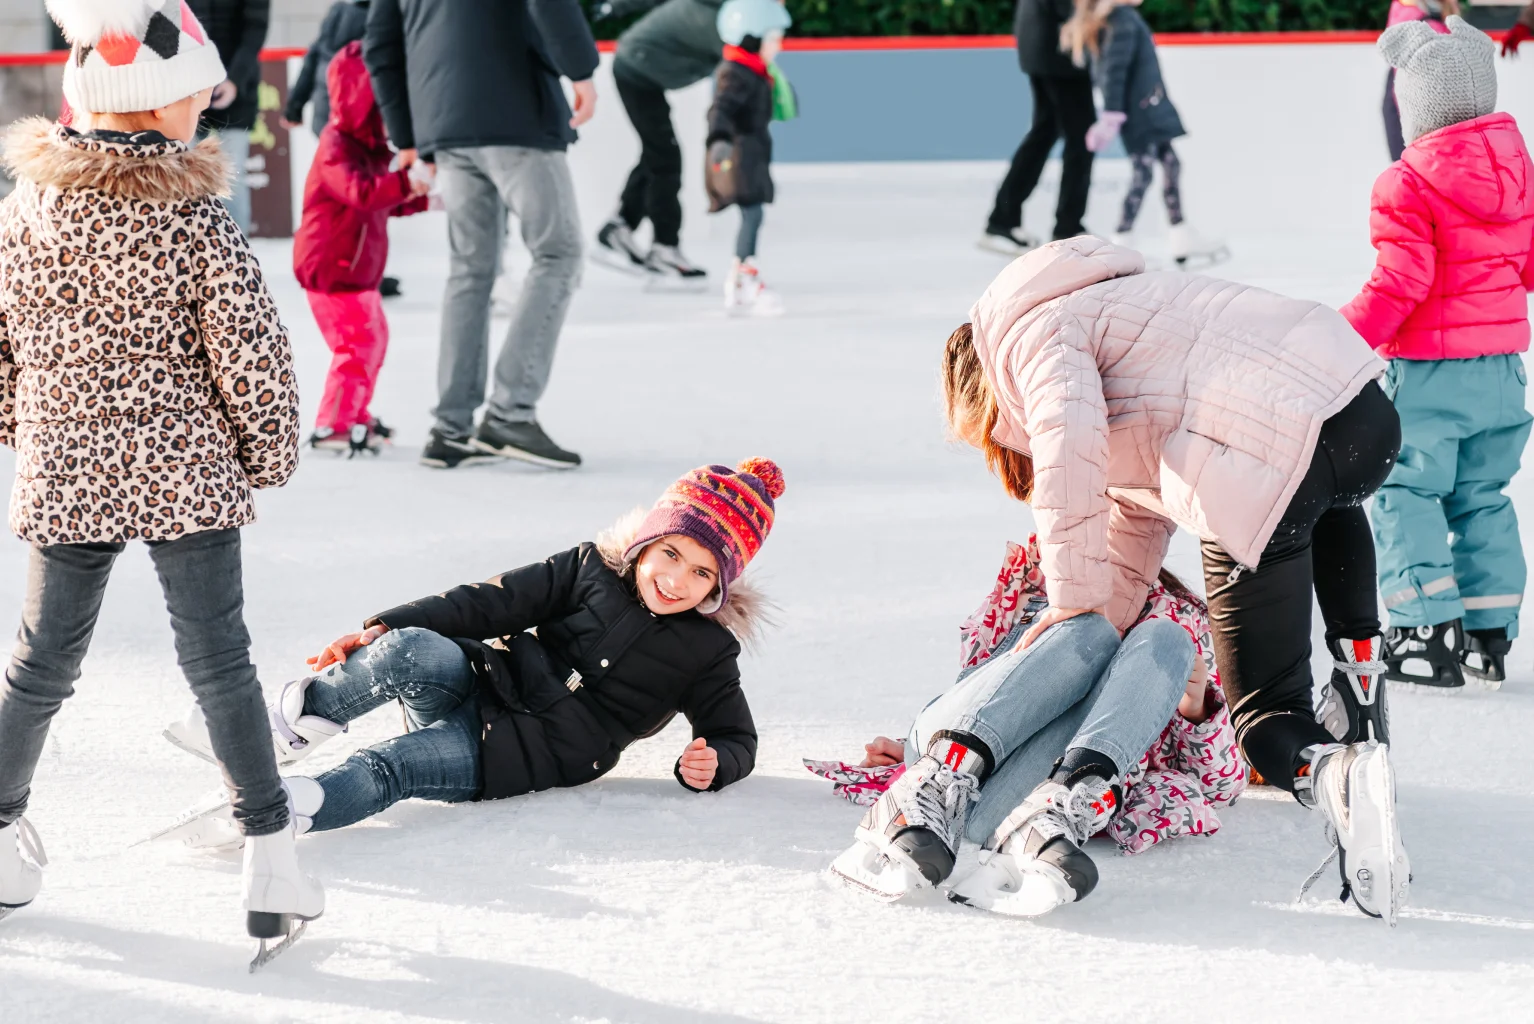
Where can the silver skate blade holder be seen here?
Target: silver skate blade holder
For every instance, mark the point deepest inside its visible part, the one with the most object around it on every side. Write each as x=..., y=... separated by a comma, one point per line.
x=285, y=928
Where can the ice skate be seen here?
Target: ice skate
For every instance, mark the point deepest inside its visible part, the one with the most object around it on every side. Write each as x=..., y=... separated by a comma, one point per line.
x=22, y=860
x=1484, y=658
x=1007, y=241
x=1355, y=787
x=1426, y=655
x=745, y=294
x=617, y=249
x=294, y=734
x=669, y=270
x=362, y=441
x=910, y=838
x=209, y=823
x=324, y=439
x=1352, y=705
x=1040, y=864
x=1191, y=251
x=280, y=900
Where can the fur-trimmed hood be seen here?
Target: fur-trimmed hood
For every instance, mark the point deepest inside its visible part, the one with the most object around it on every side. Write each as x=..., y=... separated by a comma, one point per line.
x=51, y=156
x=745, y=613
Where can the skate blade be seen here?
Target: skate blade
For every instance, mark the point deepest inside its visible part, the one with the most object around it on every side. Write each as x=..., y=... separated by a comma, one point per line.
x=193, y=824
x=1002, y=248
x=673, y=285
x=605, y=257
x=1202, y=260
x=6, y=912
x=882, y=876
x=1383, y=861
x=180, y=744
x=1013, y=891
x=266, y=954
x=1473, y=684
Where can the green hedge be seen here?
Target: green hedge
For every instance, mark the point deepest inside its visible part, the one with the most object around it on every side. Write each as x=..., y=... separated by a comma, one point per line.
x=994, y=17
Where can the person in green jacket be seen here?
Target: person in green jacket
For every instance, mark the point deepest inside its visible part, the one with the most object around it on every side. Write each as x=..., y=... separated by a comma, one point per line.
x=673, y=46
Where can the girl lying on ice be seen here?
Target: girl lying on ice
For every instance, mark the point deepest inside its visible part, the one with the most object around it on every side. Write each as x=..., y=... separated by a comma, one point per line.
x=1054, y=742
x=630, y=630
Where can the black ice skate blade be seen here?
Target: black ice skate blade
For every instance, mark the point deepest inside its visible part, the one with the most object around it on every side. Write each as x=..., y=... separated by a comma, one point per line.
x=6, y=910
x=286, y=928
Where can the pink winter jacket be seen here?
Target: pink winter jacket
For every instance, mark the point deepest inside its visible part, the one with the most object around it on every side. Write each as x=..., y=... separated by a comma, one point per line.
x=1453, y=222
x=1151, y=400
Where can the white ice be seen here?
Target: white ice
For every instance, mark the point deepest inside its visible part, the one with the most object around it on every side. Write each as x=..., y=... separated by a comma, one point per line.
x=632, y=900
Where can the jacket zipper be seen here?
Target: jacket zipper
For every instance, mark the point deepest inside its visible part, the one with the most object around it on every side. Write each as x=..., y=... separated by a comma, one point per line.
x=362, y=238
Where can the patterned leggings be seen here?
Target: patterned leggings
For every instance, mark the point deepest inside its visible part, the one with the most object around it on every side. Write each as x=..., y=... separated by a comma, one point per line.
x=1144, y=163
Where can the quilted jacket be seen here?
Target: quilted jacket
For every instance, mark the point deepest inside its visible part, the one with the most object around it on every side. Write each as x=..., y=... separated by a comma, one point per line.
x=1151, y=400
x=1453, y=223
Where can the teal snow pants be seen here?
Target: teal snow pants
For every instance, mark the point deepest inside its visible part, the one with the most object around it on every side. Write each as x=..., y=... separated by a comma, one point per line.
x=1446, y=536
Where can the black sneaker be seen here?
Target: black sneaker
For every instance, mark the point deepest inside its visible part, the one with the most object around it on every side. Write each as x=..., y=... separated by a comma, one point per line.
x=389, y=288
x=444, y=451
x=525, y=441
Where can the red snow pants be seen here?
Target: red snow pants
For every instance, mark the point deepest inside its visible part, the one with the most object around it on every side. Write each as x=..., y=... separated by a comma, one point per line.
x=354, y=327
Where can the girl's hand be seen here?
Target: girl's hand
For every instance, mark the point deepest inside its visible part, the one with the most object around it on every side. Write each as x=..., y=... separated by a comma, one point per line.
x=883, y=752
x=1051, y=616
x=339, y=649
x=699, y=763
x=1194, y=705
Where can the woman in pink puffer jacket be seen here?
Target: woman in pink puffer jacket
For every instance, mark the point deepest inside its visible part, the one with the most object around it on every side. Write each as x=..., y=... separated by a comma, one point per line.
x=1122, y=404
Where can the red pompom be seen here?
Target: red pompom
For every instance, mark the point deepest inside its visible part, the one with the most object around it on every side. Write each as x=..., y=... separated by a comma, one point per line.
x=767, y=472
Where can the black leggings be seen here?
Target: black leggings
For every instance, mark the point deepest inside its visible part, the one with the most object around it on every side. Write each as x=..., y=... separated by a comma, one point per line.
x=654, y=186
x=1261, y=619
x=1144, y=163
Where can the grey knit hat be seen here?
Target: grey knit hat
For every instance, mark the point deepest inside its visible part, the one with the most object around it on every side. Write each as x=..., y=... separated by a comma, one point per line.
x=1440, y=79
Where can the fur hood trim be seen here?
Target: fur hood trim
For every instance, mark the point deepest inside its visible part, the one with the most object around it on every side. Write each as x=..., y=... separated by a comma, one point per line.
x=39, y=151
x=747, y=612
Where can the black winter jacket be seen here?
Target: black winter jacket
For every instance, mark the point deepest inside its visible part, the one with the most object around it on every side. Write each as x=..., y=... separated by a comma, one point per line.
x=559, y=706
x=673, y=46
x=742, y=114
x=459, y=73
x=238, y=30
x=346, y=20
x=1130, y=77
x=1037, y=27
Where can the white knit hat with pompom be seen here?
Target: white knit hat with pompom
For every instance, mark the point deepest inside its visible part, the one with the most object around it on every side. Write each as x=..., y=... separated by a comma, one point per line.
x=132, y=55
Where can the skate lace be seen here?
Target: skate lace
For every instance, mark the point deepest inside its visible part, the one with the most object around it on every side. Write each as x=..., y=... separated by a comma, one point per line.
x=941, y=799
x=1334, y=839
x=30, y=843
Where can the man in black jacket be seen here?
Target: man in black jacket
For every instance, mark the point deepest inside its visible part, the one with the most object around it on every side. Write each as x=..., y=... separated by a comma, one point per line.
x=473, y=87
x=346, y=20
x=1062, y=106
x=238, y=30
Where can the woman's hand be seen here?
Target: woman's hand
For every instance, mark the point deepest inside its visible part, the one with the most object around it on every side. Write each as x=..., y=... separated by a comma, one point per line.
x=1051, y=616
x=339, y=649
x=883, y=752
x=699, y=764
x=1194, y=705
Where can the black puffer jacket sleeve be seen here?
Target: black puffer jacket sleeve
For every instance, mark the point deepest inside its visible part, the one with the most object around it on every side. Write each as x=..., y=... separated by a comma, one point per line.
x=303, y=86
x=716, y=707
x=383, y=50
x=567, y=37
x=1114, y=61
x=730, y=114
x=503, y=605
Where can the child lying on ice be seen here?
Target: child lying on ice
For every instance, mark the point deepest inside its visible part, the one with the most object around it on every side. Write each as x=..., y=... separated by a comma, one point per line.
x=1043, y=738
x=630, y=630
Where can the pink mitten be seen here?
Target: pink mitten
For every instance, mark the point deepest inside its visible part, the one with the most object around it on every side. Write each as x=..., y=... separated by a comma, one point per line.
x=1105, y=129
x=863, y=786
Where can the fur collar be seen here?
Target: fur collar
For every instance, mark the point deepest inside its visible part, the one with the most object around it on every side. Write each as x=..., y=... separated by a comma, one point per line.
x=745, y=614
x=46, y=154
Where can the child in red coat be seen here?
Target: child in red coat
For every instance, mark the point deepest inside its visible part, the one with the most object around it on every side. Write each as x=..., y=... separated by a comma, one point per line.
x=341, y=248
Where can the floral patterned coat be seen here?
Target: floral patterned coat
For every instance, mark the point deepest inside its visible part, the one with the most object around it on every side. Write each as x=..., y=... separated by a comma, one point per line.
x=146, y=381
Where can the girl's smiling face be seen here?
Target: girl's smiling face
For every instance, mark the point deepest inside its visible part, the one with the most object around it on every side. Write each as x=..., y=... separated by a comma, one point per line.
x=675, y=574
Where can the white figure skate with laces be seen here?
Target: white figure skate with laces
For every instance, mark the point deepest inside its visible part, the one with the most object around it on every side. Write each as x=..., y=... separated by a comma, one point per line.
x=295, y=735
x=1355, y=787
x=22, y=860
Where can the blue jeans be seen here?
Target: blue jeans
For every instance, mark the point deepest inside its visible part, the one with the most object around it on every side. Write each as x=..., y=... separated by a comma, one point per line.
x=438, y=759
x=1077, y=686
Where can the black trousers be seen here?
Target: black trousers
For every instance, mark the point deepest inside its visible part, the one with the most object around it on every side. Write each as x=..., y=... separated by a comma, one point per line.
x=1261, y=619
x=1061, y=107
x=655, y=184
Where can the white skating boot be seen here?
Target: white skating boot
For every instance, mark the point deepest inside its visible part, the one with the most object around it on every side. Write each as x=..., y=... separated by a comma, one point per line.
x=1355, y=787
x=22, y=860
x=617, y=249
x=209, y=823
x=745, y=294
x=1009, y=243
x=668, y=261
x=1035, y=861
x=910, y=839
x=280, y=900
x=1190, y=250
x=294, y=734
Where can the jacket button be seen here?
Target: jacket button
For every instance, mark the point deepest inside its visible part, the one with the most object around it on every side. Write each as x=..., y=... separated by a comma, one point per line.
x=604, y=662
x=597, y=765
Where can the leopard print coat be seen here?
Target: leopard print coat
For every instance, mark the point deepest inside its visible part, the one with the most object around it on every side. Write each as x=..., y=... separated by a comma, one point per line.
x=146, y=381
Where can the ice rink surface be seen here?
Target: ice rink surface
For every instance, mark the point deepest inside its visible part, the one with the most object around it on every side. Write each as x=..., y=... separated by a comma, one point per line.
x=632, y=900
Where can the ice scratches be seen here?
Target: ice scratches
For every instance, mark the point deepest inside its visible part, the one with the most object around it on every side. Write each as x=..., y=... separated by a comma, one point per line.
x=1335, y=908
x=367, y=961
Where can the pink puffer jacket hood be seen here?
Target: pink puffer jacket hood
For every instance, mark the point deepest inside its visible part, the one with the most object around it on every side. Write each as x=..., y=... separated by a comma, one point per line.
x=1453, y=223
x=1148, y=400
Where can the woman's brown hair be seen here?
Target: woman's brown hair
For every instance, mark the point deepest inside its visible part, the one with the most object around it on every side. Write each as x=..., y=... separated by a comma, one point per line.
x=970, y=405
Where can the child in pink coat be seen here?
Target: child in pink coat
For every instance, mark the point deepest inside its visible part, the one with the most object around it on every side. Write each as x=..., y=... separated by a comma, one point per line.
x=342, y=245
x=1453, y=223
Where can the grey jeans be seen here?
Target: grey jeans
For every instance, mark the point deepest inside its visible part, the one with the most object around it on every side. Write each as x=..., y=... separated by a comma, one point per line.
x=479, y=184
x=201, y=577
x=1077, y=686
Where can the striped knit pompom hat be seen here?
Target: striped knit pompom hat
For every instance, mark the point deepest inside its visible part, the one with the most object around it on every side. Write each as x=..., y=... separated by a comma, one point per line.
x=132, y=55
x=728, y=511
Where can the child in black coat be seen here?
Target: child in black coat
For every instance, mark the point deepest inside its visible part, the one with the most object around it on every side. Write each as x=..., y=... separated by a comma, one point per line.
x=540, y=677
x=739, y=169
